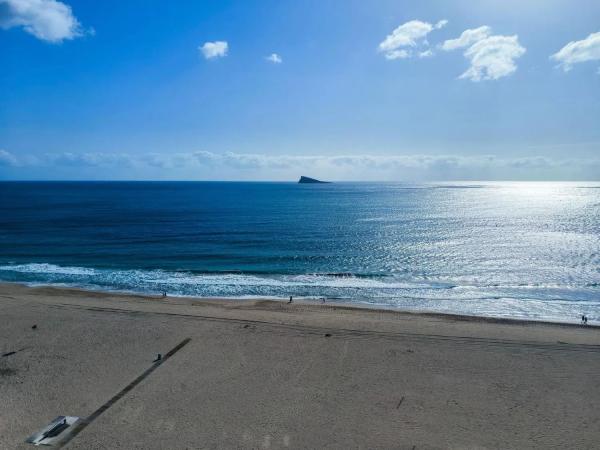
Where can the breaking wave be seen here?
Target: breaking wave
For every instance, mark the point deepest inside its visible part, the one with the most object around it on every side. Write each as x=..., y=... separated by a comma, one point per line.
x=534, y=301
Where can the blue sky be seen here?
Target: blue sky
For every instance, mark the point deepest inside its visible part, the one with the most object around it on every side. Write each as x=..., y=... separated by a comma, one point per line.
x=124, y=90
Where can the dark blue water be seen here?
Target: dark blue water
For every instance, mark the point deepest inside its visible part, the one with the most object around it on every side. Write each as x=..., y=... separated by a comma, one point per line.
x=529, y=250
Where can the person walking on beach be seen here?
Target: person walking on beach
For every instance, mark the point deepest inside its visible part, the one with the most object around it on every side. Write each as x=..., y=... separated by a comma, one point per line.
x=291, y=300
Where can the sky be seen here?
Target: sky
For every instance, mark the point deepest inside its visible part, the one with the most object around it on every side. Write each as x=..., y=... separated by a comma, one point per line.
x=273, y=89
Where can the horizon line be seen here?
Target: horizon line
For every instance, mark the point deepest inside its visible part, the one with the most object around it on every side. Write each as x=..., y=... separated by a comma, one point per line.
x=42, y=180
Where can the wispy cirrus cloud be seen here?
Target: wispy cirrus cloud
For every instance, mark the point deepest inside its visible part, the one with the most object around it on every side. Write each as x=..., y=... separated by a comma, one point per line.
x=216, y=49
x=576, y=52
x=408, y=39
x=49, y=20
x=491, y=56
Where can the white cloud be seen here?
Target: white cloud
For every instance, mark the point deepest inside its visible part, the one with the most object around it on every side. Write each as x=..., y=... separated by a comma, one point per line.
x=426, y=54
x=398, y=54
x=575, y=52
x=441, y=24
x=491, y=56
x=217, y=49
x=467, y=38
x=48, y=20
x=97, y=159
x=407, y=37
x=7, y=158
x=274, y=58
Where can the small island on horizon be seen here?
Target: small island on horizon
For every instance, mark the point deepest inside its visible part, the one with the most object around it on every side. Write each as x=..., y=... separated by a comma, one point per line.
x=304, y=179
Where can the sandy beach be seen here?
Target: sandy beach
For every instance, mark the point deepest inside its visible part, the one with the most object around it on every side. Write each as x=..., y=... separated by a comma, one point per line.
x=266, y=374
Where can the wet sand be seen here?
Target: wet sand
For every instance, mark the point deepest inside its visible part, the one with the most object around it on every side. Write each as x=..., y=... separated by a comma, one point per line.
x=265, y=374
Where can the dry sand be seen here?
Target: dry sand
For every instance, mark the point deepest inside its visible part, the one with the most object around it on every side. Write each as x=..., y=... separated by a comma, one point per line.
x=264, y=374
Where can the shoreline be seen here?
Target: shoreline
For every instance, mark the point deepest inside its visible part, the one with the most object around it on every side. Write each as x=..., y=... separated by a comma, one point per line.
x=332, y=304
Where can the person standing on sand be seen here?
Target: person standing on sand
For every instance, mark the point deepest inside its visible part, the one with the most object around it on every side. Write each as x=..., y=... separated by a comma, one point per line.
x=290, y=300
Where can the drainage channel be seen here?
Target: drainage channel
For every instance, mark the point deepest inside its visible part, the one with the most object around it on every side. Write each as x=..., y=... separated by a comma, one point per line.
x=81, y=424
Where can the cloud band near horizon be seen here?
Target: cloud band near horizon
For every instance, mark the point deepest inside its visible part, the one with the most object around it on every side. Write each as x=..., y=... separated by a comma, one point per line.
x=247, y=166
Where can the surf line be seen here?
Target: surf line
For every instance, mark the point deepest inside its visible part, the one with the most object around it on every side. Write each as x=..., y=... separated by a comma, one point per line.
x=80, y=426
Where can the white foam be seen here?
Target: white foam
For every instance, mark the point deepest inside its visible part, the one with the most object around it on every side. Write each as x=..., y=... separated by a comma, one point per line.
x=48, y=268
x=530, y=301
x=312, y=280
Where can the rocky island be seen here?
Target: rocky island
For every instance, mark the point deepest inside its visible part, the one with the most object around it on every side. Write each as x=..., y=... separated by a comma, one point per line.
x=304, y=179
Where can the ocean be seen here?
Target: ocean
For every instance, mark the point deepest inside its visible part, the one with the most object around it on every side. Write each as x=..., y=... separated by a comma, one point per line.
x=498, y=249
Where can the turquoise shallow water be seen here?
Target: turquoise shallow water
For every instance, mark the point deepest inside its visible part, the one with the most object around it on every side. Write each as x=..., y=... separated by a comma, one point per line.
x=523, y=250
